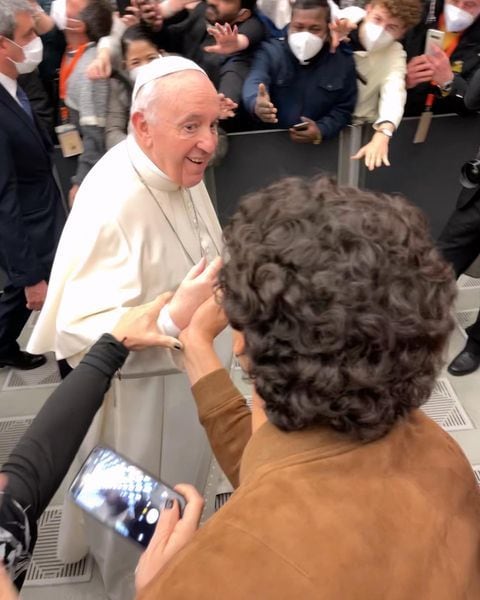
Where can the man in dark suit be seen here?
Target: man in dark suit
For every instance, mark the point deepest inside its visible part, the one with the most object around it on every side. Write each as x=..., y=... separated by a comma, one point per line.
x=31, y=211
x=460, y=245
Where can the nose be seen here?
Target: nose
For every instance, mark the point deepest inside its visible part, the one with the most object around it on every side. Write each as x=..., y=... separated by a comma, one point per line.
x=208, y=141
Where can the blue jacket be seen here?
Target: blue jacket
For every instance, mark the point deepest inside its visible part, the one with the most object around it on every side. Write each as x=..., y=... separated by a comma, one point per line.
x=325, y=90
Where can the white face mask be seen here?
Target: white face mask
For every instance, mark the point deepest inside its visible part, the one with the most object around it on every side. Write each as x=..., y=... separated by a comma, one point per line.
x=133, y=73
x=374, y=37
x=305, y=45
x=58, y=12
x=33, y=52
x=457, y=19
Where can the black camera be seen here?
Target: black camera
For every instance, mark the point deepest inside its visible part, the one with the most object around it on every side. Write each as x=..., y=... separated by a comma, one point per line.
x=470, y=174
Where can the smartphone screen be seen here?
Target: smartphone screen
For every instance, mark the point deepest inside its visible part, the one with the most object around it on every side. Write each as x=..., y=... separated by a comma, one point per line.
x=121, y=495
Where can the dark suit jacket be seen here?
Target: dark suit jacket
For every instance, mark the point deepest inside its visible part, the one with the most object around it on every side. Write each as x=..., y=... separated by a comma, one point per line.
x=31, y=211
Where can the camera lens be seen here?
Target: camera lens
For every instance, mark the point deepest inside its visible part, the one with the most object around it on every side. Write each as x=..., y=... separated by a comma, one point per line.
x=470, y=175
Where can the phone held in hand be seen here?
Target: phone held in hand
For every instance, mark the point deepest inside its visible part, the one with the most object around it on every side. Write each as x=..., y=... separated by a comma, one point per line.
x=121, y=495
x=122, y=6
x=303, y=126
x=434, y=38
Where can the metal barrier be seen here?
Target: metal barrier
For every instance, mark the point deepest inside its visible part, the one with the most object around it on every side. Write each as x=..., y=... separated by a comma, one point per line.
x=427, y=174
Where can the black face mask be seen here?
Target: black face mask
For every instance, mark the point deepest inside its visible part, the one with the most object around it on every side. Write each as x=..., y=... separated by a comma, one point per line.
x=15, y=537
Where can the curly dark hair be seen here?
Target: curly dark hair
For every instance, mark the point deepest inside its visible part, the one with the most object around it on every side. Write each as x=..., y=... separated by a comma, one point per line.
x=344, y=303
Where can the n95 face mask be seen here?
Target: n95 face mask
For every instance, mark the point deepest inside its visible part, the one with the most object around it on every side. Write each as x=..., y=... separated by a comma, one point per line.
x=33, y=52
x=457, y=19
x=305, y=45
x=374, y=37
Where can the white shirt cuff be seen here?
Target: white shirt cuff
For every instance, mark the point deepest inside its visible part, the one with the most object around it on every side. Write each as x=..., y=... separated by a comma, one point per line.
x=166, y=324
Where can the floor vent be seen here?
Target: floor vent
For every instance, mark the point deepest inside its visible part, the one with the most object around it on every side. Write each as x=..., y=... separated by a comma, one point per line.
x=445, y=409
x=221, y=499
x=467, y=282
x=465, y=318
x=45, y=376
x=11, y=430
x=476, y=470
x=45, y=568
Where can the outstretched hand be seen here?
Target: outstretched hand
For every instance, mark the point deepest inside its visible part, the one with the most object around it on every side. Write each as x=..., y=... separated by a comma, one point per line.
x=198, y=286
x=137, y=329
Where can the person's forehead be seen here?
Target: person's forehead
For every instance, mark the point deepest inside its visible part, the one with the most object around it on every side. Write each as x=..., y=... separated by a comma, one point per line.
x=382, y=11
x=309, y=14
x=192, y=94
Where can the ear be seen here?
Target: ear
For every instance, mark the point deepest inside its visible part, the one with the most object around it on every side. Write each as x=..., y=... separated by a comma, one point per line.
x=238, y=343
x=141, y=129
x=243, y=15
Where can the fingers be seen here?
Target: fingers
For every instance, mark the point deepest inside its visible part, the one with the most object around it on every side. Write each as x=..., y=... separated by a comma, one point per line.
x=196, y=270
x=212, y=270
x=193, y=510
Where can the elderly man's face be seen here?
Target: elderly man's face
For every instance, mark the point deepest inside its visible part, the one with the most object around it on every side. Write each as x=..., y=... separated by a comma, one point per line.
x=182, y=136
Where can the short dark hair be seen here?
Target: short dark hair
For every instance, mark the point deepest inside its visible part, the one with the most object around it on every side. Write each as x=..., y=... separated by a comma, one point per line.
x=136, y=33
x=250, y=4
x=310, y=4
x=344, y=303
x=97, y=16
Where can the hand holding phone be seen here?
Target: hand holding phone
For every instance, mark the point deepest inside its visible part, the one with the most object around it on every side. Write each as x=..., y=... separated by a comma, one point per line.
x=122, y=496
x=303, y=126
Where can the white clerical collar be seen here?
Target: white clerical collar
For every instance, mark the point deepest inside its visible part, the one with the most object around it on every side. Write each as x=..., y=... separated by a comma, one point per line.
x=10, y=85
x=149, y=171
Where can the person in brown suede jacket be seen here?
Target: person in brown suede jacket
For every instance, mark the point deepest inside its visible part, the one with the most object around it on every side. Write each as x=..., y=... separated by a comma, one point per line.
x=345, y=489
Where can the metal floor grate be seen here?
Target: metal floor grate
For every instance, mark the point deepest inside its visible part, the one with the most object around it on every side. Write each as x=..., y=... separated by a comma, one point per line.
x=476, y=470
x=444, y=408
x=45, y=568
x=11, y=430
x=465, y=318
x=466, y=282
x=45, y=376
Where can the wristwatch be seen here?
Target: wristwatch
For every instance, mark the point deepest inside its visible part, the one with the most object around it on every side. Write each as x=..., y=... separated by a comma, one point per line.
x=446, y=87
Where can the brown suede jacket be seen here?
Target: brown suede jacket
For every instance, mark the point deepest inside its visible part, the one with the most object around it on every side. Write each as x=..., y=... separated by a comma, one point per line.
x=320, y=516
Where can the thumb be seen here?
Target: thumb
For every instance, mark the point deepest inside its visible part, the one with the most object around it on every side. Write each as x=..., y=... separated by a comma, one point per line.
x=360, y=154
x=262, y=90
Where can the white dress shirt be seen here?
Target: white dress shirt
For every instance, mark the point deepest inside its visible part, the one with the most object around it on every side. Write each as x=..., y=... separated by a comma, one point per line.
x=10, y=85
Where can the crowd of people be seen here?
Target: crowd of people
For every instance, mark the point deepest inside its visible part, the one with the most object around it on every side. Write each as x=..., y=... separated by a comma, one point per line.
x=335, y=301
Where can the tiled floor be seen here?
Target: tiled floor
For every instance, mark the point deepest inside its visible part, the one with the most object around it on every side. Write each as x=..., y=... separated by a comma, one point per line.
x=24, y=402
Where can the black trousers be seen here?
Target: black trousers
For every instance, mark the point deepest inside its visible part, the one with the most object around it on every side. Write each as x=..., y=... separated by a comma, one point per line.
x=13, y=316
x=459, y=243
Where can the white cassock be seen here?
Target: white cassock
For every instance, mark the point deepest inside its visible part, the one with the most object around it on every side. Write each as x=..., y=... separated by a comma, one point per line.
x=132, y=235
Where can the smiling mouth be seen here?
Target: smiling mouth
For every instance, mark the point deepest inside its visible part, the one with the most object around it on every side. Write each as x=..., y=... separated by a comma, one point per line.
x=196, y=161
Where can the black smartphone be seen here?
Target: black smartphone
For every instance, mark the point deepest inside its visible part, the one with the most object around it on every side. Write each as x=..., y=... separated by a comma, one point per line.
x=122, y=6
x=121, y=495
x=300, y=126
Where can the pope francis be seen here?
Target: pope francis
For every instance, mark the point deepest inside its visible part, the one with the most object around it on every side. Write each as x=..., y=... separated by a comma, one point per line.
x=141, y=219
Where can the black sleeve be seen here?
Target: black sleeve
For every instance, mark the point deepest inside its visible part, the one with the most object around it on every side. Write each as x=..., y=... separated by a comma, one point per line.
x=41, y=459
x=33, y=87
x=254, y=29
x=471, y=90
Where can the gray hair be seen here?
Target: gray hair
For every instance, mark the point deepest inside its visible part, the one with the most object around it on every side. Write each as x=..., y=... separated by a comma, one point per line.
x=145, y=96
x=8, y=15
